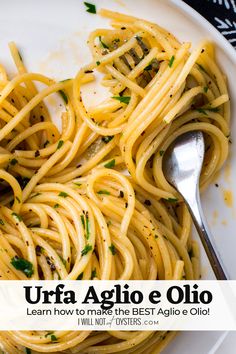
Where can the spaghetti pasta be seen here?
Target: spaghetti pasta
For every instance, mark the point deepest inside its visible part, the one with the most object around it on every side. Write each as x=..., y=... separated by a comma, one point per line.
x=90, y=200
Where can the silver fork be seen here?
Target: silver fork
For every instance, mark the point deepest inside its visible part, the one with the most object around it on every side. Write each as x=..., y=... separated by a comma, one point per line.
x=182, y=165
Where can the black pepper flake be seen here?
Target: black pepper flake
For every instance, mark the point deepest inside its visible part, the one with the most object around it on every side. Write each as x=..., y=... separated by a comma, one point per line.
x=38, y=250
x=51, y=264
x=88, y=71
x=123, y=28
x=37, y=153
x=46, y=143
x=126, y=205
x=42, y=118
x=121, y=195
x=217, y=185
x=147, y=202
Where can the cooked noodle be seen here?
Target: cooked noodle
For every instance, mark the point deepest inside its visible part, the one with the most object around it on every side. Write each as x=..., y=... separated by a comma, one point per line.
x=90, y=201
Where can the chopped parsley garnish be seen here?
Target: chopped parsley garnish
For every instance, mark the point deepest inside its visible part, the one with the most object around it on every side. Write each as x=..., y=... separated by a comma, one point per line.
x=122, y=99
x=52, y=335
x=65, y=80
x=172, y=200
x=107, y=138
x=63, y=260
x=202, y=68
x=153, y=65
x=22, y=264
x=91, y=8
x=148, y=67
x=56, y=206
x=48, y=334
x=104, y=45
x=27, y=350
x=213, y=109
x=60, y=143
x=53, y=338
x=161, y=152
x=20, y=56
x=63, y=95
x=93, y=274
x=17, y=216
x=87, y=226
x=80, y=276
x=103, y=191
x=205, y=88
x=98, y=63
x=86, y=249
x=112, y=249
x=77, y=184
x=18, y=199
x=13, y=162
x=82, y=220
x=63, y=194
x=2, y=222
x=35, y=195
x=201, y=110
x=171, y=61
x=110, y=164
x=210, y=109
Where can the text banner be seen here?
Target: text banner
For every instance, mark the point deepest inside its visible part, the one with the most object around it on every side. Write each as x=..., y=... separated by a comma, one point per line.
x=118, y=305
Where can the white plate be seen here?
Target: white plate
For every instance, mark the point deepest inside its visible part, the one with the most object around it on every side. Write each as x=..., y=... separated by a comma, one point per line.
x=51, y=36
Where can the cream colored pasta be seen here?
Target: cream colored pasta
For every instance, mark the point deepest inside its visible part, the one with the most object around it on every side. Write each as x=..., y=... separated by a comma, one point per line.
x=89, y=200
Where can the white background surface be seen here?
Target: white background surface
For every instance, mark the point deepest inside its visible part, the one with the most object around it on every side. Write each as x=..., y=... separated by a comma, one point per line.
x=51, y=36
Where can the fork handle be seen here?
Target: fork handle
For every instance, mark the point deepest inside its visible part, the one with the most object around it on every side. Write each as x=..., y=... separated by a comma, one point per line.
x=195, y=209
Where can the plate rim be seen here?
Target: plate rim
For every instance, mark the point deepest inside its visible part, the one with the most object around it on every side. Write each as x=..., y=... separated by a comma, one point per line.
x=220, y=39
